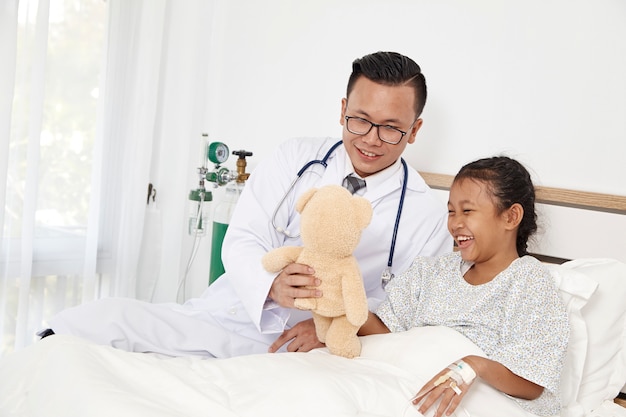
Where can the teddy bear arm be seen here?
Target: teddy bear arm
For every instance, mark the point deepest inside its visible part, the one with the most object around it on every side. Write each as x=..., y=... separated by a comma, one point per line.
x=354, y=299
x=276, y=259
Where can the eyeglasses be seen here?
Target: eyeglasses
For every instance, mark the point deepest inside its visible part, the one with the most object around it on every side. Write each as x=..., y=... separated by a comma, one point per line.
x=386, y=133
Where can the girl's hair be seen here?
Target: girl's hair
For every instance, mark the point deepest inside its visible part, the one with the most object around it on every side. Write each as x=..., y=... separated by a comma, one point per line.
x=508, y=182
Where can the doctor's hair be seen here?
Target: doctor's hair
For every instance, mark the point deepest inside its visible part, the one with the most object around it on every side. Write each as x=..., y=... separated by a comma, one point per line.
x=508, y=182
x=393, y=69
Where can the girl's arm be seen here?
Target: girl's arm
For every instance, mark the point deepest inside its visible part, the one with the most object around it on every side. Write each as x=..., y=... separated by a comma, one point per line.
x=502, y=379
x=373, y=325
x=492, y=372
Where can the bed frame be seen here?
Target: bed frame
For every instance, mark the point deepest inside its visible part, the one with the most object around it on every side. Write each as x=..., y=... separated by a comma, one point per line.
x=598, y=202
x=608, y=203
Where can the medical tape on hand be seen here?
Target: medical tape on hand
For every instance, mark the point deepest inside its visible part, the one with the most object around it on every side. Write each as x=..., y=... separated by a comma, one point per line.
x=453, y=374
x=443, y=378
x=464, y=370
x=455, y=388
x=455, y=378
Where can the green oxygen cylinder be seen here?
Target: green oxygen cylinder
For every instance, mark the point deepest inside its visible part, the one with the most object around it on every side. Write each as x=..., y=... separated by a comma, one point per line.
x=221, y=218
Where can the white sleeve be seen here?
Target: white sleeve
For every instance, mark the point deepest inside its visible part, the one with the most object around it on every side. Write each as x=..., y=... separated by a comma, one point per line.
x=250, y=234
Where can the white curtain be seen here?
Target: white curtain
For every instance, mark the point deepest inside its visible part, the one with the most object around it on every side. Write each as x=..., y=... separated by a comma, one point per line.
x=129, y=124
x=149, y=119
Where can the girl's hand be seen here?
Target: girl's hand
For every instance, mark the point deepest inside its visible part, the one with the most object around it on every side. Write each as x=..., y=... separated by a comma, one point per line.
x=449, y=386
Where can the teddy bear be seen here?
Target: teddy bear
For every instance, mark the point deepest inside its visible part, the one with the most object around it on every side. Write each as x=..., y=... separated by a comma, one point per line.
x=331, y=222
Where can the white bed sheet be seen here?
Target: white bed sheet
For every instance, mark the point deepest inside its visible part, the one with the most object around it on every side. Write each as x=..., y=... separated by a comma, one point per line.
x=66, y=376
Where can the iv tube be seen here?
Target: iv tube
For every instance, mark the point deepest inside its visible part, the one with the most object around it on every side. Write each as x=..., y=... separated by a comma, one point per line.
x=194, y=250
x=199, y=210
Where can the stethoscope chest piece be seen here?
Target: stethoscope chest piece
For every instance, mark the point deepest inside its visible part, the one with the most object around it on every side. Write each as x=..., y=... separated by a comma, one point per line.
x=386, y=276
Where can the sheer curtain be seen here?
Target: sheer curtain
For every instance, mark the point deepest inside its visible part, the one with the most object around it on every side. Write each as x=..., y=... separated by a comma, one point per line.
x=74, y=217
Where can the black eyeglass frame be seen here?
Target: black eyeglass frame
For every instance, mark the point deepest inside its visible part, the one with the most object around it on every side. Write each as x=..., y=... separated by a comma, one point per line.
x=377, y=126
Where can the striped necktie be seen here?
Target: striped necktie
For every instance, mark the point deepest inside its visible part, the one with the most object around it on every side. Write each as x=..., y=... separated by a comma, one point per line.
x=353, y=184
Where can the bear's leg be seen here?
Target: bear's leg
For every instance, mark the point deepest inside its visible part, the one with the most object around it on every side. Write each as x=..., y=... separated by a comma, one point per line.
x=342, y=338
x=321, y=326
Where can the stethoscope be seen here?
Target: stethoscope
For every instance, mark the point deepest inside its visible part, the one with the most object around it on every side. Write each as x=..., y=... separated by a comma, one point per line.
x=386, y=275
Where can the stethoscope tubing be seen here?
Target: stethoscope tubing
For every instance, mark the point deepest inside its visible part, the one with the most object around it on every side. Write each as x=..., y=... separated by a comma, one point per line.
x=399, y=214
x=324, y=163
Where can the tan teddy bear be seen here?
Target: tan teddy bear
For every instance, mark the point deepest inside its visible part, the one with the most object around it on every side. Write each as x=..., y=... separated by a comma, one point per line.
x=331, y=221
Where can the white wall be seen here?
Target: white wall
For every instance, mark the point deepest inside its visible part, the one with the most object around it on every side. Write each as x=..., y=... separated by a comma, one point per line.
x=542, y=80
x=539, y=80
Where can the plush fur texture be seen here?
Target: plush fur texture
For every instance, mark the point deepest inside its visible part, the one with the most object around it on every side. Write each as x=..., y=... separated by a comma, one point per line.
x=331, y=222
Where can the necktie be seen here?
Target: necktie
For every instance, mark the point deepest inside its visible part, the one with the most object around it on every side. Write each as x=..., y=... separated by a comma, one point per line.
x=353, y=184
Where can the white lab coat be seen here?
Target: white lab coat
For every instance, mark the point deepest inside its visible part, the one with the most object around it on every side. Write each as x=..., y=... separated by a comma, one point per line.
x=232, y=316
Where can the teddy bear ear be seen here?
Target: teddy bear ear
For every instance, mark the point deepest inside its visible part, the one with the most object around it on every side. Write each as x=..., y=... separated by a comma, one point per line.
x=362, y=211
x=304, y=198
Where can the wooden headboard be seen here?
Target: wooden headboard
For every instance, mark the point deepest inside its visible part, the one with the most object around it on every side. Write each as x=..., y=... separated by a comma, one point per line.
x=588, y=201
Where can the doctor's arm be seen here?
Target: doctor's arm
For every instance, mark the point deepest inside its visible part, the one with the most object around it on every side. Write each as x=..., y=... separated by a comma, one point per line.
x=250, y=236
x=288, y=286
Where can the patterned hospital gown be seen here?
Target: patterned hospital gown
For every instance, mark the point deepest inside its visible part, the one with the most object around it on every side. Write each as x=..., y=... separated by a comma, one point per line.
x=517, y=318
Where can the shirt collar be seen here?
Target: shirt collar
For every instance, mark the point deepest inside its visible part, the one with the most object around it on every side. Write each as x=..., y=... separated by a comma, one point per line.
x=374, y=180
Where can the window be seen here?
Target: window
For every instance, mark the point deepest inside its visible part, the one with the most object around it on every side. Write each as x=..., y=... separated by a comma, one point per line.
x=57, y=65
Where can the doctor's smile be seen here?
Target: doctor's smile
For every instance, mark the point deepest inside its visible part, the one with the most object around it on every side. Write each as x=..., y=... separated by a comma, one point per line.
x=366, y=153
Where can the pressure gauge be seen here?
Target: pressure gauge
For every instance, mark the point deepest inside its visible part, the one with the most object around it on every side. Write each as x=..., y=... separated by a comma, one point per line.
x=218, y=152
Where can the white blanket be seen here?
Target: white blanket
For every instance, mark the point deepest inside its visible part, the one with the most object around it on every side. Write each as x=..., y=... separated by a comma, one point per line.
x=66, y=376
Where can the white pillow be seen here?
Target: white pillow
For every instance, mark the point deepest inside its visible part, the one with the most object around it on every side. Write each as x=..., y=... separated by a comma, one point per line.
x=575, y=289
x=604, y=372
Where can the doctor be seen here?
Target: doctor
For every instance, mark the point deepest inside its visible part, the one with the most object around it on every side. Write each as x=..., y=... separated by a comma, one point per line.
x=248, y=310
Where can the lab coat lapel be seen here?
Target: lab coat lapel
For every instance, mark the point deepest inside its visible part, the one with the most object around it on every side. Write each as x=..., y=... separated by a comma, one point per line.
x=387, y=187
x=334, y=172
x=394, y=184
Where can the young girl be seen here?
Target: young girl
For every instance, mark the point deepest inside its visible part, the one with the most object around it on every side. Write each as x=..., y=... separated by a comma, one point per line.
x=489, y=290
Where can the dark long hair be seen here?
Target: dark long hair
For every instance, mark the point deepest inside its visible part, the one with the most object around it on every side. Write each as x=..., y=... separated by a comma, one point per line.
x=509, y=183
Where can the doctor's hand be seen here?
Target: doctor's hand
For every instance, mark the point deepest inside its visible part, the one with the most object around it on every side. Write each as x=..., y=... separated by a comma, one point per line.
x=303, y=338
x=291, y=282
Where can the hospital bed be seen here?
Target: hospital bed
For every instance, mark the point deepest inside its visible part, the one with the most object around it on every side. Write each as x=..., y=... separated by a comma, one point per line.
x=66, y=376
